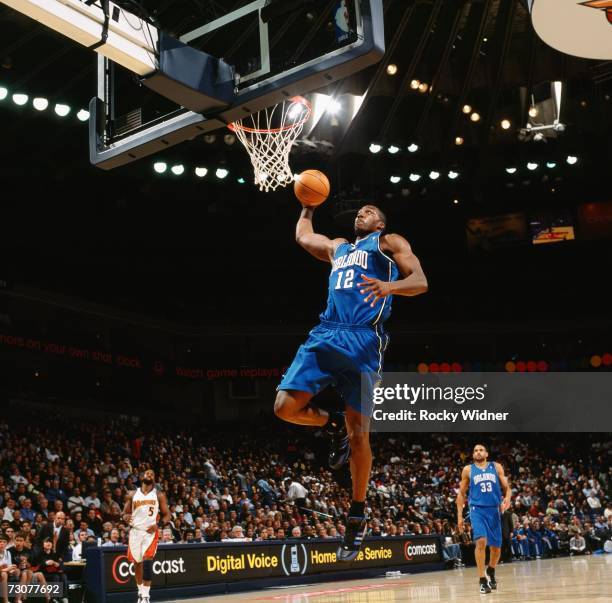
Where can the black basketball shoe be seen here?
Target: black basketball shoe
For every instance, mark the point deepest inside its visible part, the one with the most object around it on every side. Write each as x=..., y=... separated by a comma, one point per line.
x=485, y=589
x=339, y=446
x=490, y=571
x=353, y=539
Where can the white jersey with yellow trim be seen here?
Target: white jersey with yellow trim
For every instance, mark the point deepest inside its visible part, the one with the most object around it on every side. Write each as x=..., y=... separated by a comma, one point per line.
x=145, y=508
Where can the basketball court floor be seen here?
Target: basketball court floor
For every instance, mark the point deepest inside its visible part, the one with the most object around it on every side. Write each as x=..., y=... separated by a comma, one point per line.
x=579, y=580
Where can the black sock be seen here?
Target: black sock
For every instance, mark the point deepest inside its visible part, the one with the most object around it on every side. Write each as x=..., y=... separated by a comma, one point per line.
x=484, y=581
x=491, y=570
x=357, y=509
x=335, y=421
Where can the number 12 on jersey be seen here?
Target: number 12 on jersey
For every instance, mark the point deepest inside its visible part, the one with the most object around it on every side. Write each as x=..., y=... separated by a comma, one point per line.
x=349, y=276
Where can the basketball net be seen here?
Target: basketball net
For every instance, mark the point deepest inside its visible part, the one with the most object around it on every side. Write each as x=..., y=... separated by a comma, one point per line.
x=268, y=137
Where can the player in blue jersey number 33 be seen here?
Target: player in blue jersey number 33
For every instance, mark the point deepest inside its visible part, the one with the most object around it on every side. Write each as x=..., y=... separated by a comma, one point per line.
x=349, y=342
x=486, y=482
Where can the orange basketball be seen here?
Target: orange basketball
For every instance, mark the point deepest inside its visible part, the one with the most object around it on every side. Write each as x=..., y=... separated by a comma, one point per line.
x=311, y=188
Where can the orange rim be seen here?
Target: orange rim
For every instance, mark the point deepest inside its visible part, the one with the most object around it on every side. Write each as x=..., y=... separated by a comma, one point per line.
x=236, y=125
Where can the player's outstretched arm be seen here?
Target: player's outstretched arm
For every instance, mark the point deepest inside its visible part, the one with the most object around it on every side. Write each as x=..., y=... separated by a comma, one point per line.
x=461, y=495
x=414, y=281
x=318, y=245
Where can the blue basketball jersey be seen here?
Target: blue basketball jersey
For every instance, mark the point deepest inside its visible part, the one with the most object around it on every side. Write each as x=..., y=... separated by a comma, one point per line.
x=485, y=490
x=352, y=260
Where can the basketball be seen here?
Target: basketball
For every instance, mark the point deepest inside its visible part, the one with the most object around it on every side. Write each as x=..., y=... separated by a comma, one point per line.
x=311, y=188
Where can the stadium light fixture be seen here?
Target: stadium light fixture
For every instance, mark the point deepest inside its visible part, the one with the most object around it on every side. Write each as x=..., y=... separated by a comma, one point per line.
x=62, y=110
x=40, y=104
x=20, y=99
x=392, y=69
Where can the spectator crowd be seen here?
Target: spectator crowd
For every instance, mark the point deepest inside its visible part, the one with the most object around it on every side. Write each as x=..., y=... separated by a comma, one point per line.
x=63, y=484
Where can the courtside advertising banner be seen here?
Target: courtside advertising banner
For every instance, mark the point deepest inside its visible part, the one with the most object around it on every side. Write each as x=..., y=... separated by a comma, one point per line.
x=191, y=565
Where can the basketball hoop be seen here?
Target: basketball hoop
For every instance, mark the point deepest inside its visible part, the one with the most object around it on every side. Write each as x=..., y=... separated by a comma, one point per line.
x=268, y=137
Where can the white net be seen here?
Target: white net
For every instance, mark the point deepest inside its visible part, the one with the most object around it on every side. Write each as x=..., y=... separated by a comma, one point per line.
x=268, y=137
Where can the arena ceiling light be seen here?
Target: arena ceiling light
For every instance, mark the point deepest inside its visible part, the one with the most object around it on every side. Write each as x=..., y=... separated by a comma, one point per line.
x=392, y=69
x=506, y=124
x=241, y=181
x=423, y=87
x=531, y=166
x=433, y=175
x=475, y=117
x=178, y=170
x=221, y=173
x=200, y=172
x=459, y=140
x=333, y=107
x=3, y=93
x=413, y=148
x=453, y=175
x=20, y=99
x=551, y=165
x=395, y=179
x=393, y=149
x=295, y=110
x=62, y=110
x=375, y=148
x=572, y=160
x=511, y=170
x=83, y=115
x=467, y=109
x=160, y=167
x=414, y=177
x=414, y=84
x=40, y=104
x=533, y=111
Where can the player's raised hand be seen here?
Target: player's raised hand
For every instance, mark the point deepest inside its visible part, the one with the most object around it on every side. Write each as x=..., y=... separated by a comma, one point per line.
x=373, y=289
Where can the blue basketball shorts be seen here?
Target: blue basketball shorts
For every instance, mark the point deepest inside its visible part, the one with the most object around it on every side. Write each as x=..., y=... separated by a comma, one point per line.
x=486, y=523
x=337, y=354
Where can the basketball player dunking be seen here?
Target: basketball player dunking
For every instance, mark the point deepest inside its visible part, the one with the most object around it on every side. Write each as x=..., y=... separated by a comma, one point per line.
x=485, y=482
x=141, y=512
x=347, y=343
